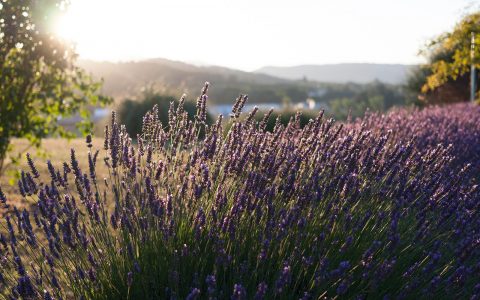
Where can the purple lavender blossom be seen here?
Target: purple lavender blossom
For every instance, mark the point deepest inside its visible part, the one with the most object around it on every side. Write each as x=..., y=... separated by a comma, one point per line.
x=261, y=291
x=3, y=198
x=31, y=164
x=239, y=292
x=319, y=211
x=194, y=294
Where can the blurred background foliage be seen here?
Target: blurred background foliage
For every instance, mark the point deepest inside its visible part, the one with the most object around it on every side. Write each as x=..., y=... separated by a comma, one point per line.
x=445, y=78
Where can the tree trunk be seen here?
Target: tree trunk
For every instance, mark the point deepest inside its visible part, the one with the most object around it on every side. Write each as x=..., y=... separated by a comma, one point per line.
x=2, y=160
x=4, y=142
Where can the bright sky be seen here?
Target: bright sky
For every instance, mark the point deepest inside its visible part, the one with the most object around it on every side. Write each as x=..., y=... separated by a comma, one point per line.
x=249, y=34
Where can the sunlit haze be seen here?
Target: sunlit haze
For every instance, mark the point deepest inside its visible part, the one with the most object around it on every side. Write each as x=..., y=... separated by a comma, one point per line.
x=250, y=34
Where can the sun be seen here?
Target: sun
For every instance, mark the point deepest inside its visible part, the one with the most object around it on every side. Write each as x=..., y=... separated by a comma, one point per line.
x=88, y=26
x=69, y=26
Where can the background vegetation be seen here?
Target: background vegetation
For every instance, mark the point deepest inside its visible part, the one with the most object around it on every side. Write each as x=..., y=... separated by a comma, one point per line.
x=446, y=76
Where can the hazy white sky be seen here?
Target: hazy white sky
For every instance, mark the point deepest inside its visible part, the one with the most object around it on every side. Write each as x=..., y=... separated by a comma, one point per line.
x=249, y=34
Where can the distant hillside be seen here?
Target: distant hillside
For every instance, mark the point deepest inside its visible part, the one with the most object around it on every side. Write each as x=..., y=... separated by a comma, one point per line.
x=342, y=73
x=129, y=79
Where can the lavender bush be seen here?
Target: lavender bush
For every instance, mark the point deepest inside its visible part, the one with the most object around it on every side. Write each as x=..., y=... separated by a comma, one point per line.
x=456, y=126
x=367, y=210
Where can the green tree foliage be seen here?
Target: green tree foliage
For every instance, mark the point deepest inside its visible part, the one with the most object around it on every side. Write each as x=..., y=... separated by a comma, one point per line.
x=415, y=81
x=449, y=60
x=375, y=96
x=131, y=111
x=39, y=82
x=450, y=52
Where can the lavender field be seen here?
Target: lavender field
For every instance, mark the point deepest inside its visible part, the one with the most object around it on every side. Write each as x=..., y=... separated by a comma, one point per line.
x=384, y=207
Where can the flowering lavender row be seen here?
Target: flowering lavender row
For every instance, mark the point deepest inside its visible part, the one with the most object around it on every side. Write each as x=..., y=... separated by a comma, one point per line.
x=324, y=211
x=456, y=126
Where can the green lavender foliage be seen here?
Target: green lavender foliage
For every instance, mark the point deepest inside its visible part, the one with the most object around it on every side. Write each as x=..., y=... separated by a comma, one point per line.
x=323, y=211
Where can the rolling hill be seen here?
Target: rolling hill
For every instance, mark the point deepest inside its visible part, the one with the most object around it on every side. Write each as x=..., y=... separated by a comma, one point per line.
x=130, y=79
x=342, y=73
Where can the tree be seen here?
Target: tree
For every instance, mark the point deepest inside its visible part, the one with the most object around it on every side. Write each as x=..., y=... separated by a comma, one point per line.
x=39, y=82
x=445, y=77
